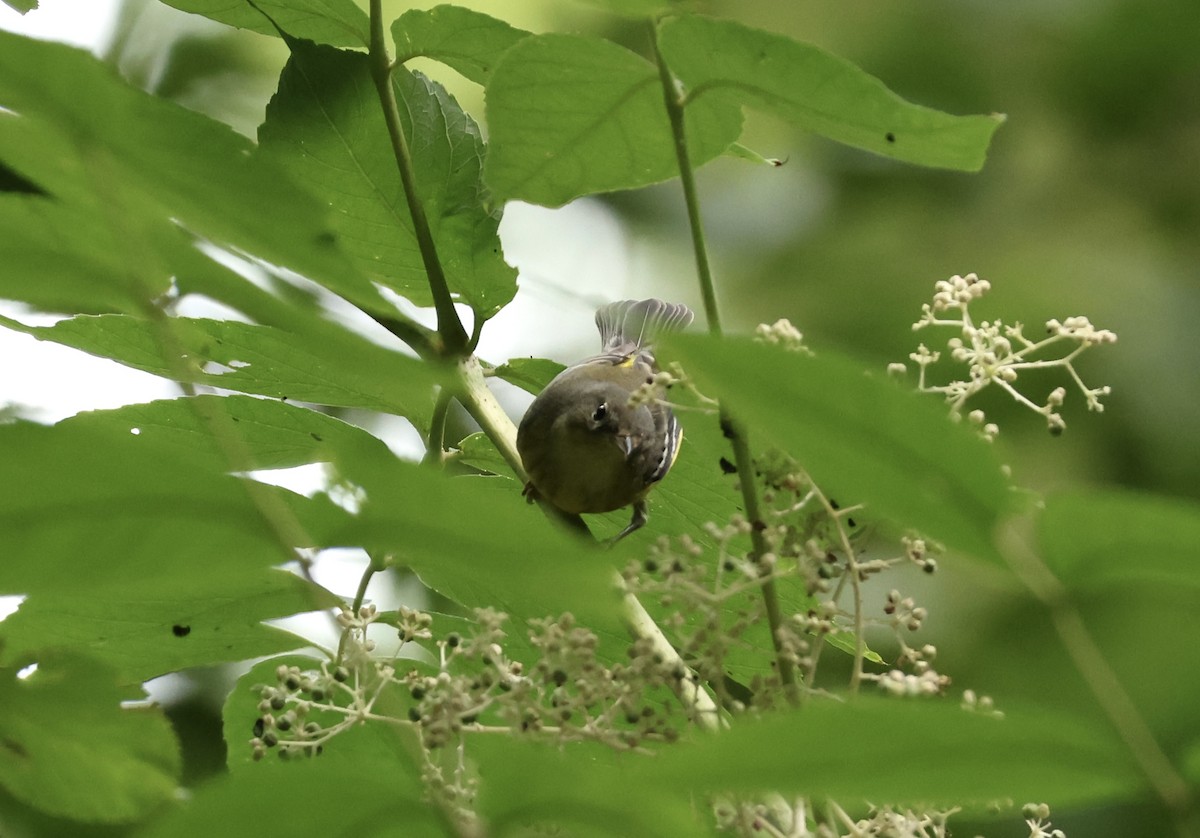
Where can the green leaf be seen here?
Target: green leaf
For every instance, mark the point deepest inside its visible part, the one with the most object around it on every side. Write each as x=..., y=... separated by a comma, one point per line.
x=82, y=508
x=846, y=642
x=819, y=92
x=463, y=39
x=530, y=374
x=570, y=115
x=306, y=797
x=748, y=154
x=70, y=750
x=338, y=22
x=57, y=258
x=909, y=751
x=863, y=439
x=148, y=627
x=21, y=6
x=108, y=151
x=255, y=359
x=633, y=8
x=271, y=434
x=576, y=790
x=1097, y=539
x=478, y=451
x=324, y=125
x=475, y=540
x=882, y=750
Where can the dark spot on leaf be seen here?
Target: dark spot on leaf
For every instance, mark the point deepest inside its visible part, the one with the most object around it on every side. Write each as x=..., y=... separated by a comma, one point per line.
x=850, y=522
x=325, y=237
x=259, y=726
x=13, y=181
x=283, y=398
x=181, y=630
x=317, y=437
x=890, y=137
x=727, y=429
x=14, y=747
x=728, y=467
x=235, y=418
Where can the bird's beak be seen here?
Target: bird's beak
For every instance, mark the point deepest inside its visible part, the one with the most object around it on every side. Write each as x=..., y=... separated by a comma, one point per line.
x=625, y=443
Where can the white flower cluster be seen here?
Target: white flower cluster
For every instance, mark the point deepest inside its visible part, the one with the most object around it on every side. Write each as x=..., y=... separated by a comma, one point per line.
x=997, y=353
x=781, y=333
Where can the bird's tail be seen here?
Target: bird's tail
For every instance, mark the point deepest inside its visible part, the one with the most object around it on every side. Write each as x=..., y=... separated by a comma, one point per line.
x=629, y=327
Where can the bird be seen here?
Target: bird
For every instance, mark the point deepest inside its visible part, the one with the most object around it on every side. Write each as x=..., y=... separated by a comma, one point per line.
x=599, y=436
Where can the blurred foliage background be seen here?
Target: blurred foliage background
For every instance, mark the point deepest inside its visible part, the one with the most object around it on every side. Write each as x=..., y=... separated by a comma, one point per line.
x=1089, y=204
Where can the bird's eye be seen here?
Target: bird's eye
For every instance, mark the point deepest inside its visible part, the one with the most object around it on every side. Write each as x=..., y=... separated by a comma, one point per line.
x=601, y=413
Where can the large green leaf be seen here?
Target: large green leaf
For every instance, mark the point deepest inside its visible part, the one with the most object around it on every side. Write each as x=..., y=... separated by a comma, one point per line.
x=577, y=790
x=468, y=41
x=271, y=434
x=163, y=623
x=338, y=22
x=325, y=125
x=255, y=359
x=570, y=115
x=306, y=797
x=57, y=258
x=884, y=751
x=819, y=92
x=1101, y=539
x=476, y=541
x=128, y=163
x=69, y=749
x=82, y=508
x=911, y=751
x=862, y=438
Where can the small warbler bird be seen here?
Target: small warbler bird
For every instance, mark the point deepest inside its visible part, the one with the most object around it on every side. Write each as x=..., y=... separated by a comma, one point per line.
x=587, y=443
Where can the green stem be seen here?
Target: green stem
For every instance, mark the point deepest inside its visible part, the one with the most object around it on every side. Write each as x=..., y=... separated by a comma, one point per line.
x=745, y=469
x=479, y=402
x=377, y=564
x=1103, y=682
x=450, y=327
x=436, y=445
x=421, y=339
x=737, y=436
x=687, y=177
